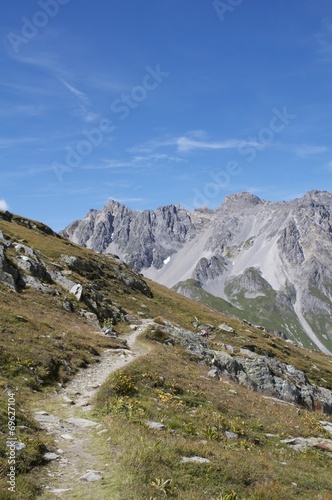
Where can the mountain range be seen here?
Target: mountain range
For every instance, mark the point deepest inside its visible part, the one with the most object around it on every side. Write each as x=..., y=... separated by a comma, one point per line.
x=266, y=262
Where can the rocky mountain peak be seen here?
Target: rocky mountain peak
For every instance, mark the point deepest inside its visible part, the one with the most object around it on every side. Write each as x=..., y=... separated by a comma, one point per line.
x=242, y=200
x=288, y=244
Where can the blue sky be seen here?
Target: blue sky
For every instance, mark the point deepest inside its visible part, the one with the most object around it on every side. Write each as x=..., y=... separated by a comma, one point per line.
x=161, y=102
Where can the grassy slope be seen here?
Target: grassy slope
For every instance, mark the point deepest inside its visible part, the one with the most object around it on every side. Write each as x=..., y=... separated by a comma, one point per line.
x=273, y=314
x=49, y=344
x=169, y=387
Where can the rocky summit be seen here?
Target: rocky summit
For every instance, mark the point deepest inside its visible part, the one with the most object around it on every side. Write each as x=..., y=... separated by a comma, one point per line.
x=265, y=262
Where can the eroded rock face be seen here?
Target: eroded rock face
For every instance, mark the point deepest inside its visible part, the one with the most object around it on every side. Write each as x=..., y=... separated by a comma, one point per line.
x=8, y=273
x=145, y=238
x=273, y=377
x=259, y=373
x=29, y=262
x=248, y=248
x=209, y=269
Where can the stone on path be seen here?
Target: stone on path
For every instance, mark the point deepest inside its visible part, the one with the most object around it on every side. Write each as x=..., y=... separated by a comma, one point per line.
x=81, y=422
x=68, y=437
x=91, y=476
x=50, y=456
x=196, y=460
x=44, y=417
x=59, y=491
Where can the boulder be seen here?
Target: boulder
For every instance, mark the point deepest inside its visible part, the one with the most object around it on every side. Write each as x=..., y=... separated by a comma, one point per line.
x=226, y=328
x=156, y=426
x=273, y=377
x=91, y=317
x=301, y=444
x=60, y=279
x=91, y=476
x=77, y=290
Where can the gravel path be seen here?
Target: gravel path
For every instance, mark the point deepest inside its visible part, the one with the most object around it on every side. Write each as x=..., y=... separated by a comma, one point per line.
x=79, y=467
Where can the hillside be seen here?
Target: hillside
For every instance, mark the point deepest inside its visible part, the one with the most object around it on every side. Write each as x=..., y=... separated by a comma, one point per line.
x=254, y=409
x=271, y=261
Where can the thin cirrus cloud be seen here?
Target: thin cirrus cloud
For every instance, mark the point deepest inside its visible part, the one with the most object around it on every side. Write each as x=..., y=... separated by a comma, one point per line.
x=134, y=161
x=305, y=151
x=188, y=144
x=77, y=93
x=192, y=142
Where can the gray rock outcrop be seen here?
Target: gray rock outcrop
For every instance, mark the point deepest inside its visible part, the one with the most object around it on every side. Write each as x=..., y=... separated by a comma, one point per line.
x=8, y=273
x=259, y=373
x=21, y=267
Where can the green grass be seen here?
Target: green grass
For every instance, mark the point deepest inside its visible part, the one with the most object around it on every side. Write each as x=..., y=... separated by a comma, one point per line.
x=269, y=310
x=173, y=389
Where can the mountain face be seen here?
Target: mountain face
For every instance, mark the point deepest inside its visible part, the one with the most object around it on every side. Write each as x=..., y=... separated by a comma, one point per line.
x=266, y=262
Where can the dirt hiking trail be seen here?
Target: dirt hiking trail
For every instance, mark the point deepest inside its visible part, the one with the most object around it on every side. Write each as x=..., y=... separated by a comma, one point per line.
x=80, y=468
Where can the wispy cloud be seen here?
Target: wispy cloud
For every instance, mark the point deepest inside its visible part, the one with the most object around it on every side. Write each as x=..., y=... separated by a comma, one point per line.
x=24, y=173
x=3, y=205
x=306, y=150
x=157, y=157
x=48, y=62
x=77, y=93
x=108, y=164
x=50, y=192
x=107, y=83
x=187, y=144
x=324, y=41
x=192, y=141
x=135, y=162
x=83, y=111
x=8, y=142
x=125, y=200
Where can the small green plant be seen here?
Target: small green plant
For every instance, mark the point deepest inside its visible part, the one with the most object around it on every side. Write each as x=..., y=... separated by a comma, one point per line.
x=211, y=433
x=108, y=323
x=228, y=496
x=158, y=335
x=124, y=384
x=162, y=485
x=125, y=406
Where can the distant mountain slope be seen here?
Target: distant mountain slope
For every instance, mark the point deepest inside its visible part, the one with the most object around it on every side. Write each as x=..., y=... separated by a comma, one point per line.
x=272, y=261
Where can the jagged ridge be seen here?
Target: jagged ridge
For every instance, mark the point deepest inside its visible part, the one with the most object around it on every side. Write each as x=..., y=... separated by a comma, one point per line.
x=285, y=246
